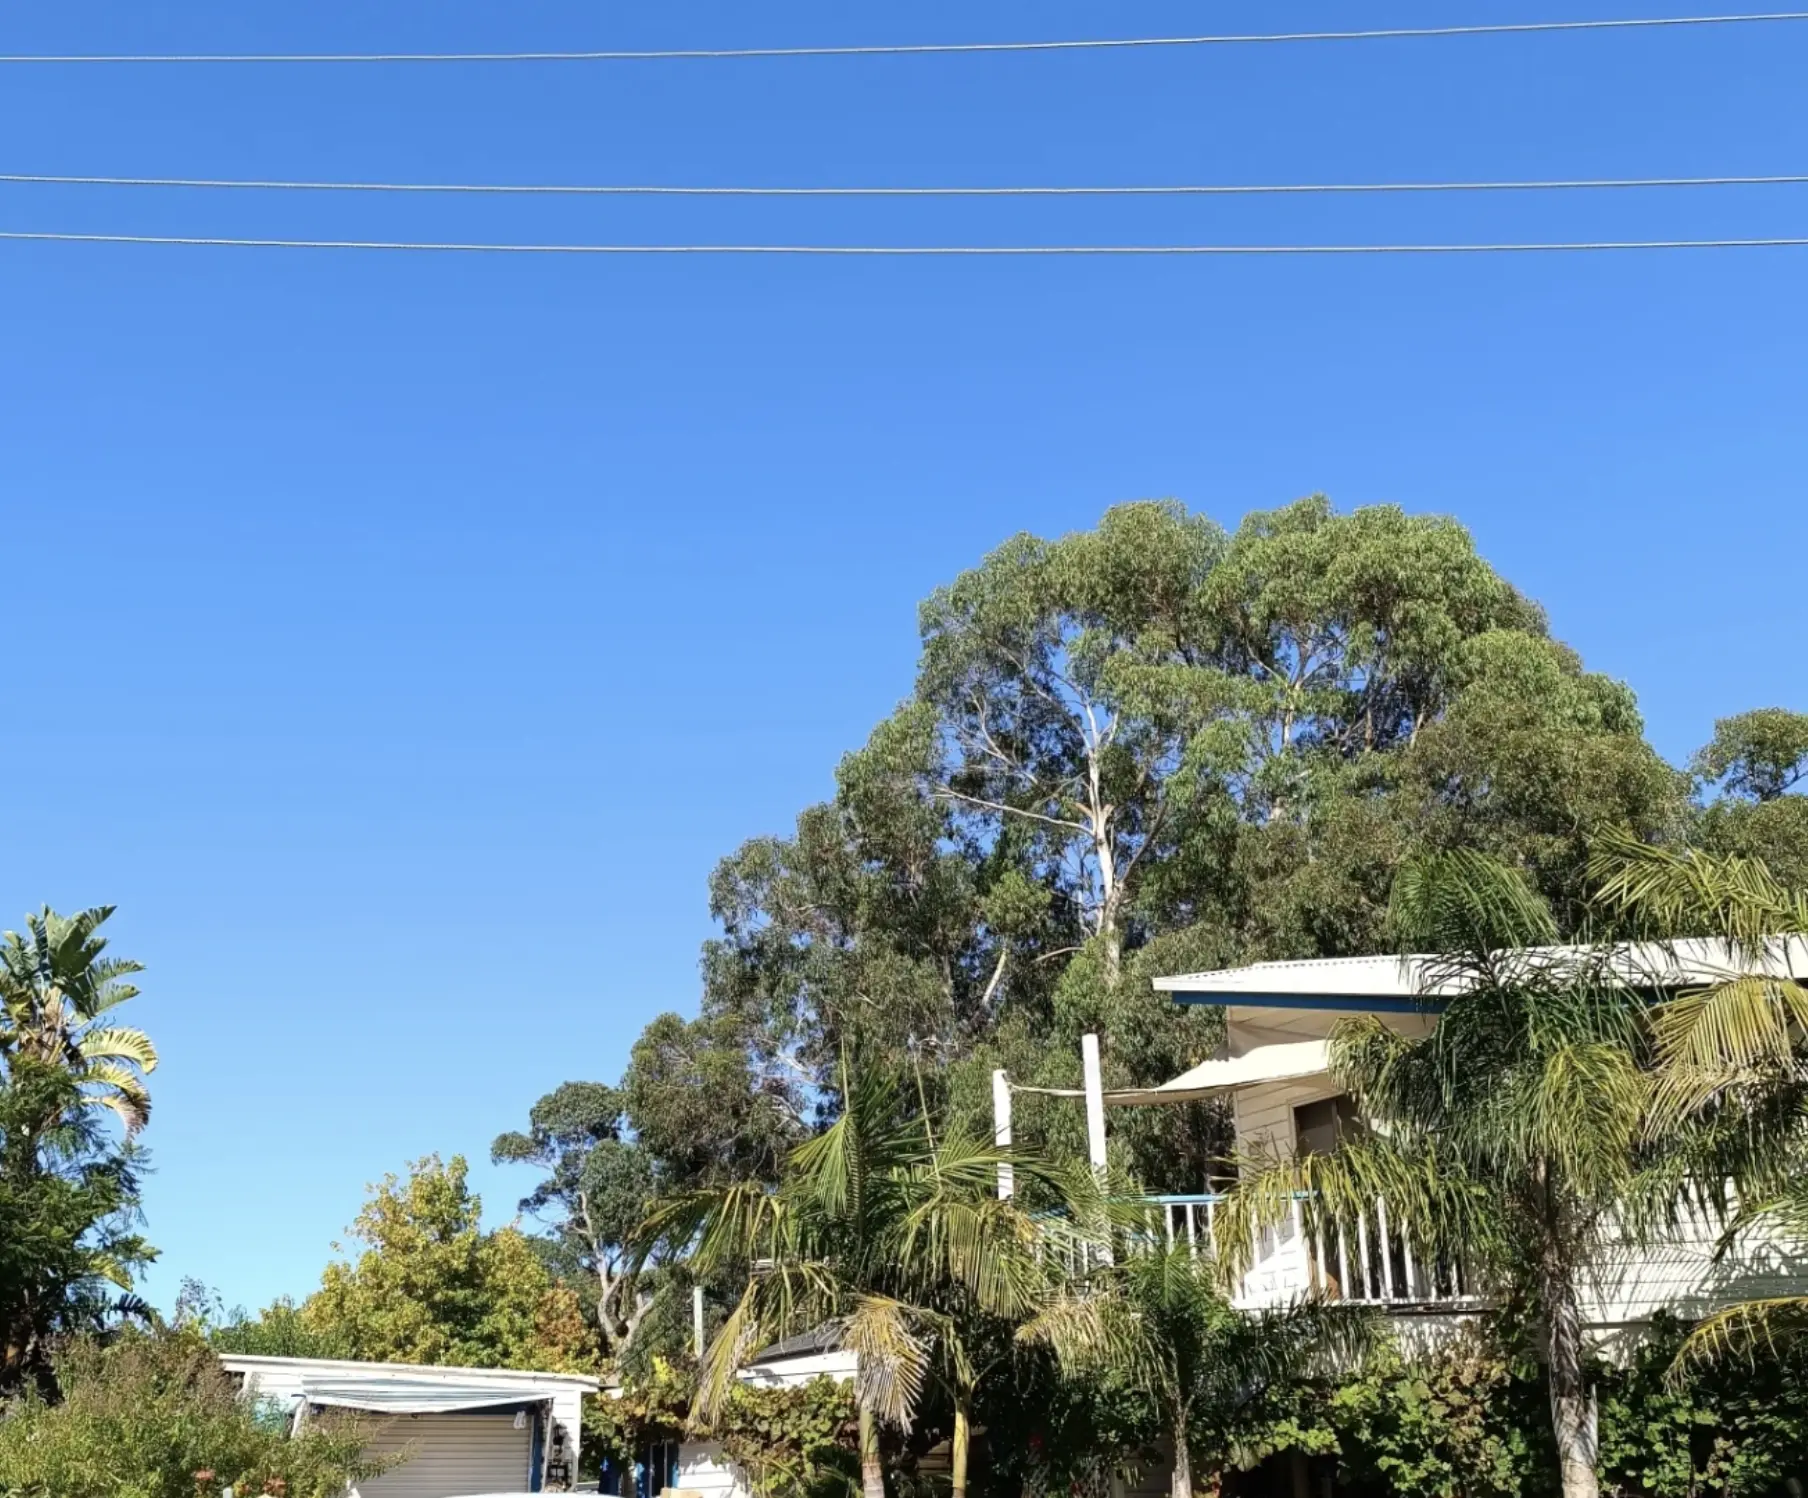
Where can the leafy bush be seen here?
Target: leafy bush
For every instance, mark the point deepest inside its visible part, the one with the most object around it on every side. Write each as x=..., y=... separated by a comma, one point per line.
x=1459, y=1423
x=788, y=1442
x=158, y=1417
x=1736, y=1430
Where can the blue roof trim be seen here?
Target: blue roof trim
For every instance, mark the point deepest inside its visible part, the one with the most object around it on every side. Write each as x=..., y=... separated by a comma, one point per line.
x=1346, y=1003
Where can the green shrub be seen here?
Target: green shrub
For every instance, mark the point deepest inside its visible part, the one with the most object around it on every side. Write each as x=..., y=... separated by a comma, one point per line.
x=1457, y=1423
x=156, y=1416
x=789, y=1442
x=1738, y=1429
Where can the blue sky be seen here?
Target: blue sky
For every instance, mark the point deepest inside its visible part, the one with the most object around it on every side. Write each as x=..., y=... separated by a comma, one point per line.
x=398, y=641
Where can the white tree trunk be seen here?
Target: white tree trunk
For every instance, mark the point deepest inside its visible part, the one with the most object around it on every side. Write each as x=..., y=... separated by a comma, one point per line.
x=1572, y=1399
x=872, y=1470
x=963, y=1436
x=1181, y=1484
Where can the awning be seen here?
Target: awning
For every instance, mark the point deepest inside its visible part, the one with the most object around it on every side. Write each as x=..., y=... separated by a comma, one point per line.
x=392, y=1396
x=1266, y=1063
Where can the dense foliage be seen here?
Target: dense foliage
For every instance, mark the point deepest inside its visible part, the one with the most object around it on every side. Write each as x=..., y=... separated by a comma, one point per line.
x=432, y=1286
x=157, y=1417
x=789, y=1442
x=595, y=1193
x=72, y=1099
x=1152, y=746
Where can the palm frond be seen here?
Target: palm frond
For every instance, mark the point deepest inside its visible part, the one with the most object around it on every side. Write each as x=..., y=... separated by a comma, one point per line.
x=1752, y=1023
x=1742, y=1331
x=119, y=1043
x=1668, y=892
x=118, y=1089
x=1469, y=909
x=893, y=1358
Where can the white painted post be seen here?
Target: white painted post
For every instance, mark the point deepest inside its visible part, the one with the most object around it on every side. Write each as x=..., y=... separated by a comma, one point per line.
x=1387, y=1248
x=1095, y=1102
x=1001, y=1132
x=697, y=1319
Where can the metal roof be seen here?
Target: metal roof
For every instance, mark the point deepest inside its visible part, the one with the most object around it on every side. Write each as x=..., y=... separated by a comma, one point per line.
x=327, y=1370
x=1386, y=983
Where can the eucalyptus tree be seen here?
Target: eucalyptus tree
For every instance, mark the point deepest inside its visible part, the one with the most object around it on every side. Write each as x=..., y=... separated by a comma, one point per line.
x=595, y=1192
x=884, y=1234
x=1151, y=740
x=1518, y=1135
x=1751, y=776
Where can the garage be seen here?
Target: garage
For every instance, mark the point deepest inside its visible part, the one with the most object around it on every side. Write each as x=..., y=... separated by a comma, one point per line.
x=460, y=1431
x=453, y=1453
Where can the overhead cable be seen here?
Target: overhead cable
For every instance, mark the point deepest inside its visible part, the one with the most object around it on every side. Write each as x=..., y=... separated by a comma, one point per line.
x=918, y=49
x=1096, y=250
x=1227, y=189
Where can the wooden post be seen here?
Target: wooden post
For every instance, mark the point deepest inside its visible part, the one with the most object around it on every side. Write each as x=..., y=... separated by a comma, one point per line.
x=1095, y=1102
x=1001, y=1132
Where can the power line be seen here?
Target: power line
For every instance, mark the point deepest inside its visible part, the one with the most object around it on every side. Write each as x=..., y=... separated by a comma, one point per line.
x=909, y=250
x=923, y=48
x=1233, y=189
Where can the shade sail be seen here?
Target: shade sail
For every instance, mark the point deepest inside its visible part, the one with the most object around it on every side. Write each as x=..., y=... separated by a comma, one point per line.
x=394, y=1396
x=1266, y=1063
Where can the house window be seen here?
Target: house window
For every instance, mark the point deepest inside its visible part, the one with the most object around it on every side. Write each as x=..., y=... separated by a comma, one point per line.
x=1320, y=1127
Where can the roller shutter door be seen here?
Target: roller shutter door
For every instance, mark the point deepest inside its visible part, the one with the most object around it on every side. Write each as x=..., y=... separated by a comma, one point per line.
x=451, y=1455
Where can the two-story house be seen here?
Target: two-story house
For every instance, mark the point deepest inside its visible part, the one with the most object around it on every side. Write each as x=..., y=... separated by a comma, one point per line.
x=1274, y=1069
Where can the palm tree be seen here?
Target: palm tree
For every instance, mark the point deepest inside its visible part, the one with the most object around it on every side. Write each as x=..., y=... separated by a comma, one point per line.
x=891, y=1237
x=1517, y=1136
x=1157, y=1319
x=58, y=989
x=1732, y=1050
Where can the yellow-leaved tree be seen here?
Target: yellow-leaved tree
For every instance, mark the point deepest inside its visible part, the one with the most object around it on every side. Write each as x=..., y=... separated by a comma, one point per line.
x=431, y=1286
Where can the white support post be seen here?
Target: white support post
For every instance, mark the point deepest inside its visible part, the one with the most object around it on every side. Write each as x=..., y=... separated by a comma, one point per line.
x=1095, y=1102
x=1001, y=1132
x=1387, y=1248
x=697, y=1319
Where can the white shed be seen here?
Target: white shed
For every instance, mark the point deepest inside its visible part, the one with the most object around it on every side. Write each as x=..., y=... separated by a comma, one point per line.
x=464, y=1430
x=698, y=1467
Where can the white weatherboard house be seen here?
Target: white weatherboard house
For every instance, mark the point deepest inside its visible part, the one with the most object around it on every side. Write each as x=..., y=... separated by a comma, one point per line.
x=464, y=1430
x=1275, y=1071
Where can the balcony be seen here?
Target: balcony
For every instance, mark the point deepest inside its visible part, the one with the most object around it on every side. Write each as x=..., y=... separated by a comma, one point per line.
x=1361, y=1263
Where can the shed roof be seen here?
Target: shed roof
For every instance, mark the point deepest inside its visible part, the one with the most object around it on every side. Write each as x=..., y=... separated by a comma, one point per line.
x=402, y=1388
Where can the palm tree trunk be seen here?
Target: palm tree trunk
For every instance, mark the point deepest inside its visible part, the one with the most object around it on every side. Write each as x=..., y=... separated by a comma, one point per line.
x=1181, y=1484
x=872, y=1471
x=1572, y=1399
x=963, y=1436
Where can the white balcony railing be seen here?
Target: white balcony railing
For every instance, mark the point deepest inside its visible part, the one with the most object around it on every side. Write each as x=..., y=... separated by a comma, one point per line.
x=1367, y=1261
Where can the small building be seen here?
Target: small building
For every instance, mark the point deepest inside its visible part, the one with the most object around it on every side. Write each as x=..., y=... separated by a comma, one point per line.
x=464, y=1430
x=697, y=1467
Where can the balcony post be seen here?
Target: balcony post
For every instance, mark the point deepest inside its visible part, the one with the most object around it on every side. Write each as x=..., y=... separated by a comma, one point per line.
x=1001, y=1132
x=1095, y=1103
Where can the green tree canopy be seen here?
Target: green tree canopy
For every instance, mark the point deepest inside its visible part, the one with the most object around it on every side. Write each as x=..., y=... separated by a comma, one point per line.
x=1750, y=774
x=594, y=1195
x=1152, y=744
x=69, y=1242
x=431, y=1286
